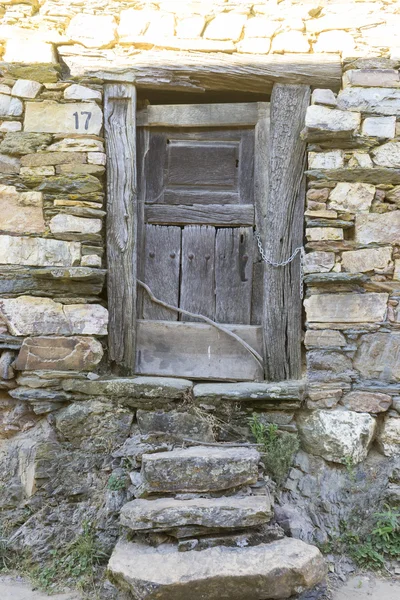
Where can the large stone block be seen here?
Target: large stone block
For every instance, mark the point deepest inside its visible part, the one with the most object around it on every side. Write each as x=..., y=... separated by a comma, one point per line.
x=337, y=435
x=381, y=101
x=319, y=262
x=326, y=338
x=94, y=425
x=92, y=31
x=75, y=144
x=321, y=119
x=321, y=234
x=378, y=356
x=81, y=92
x=62, y=353
x=362, y=261
x=71, y=184
x=29, y=315
x=28, y=50
x=19, y=143
x=25, y=88
x=29, y=57
x=335, y=41
x=176, y=424
x=10, y=107
x=199, y=469
x=346, y=308
x=291, y=41
x=226, y=26
x=42, y=159
x=74, y=117
x=371, y=402
x=352, y=197
x=276, y=570
x=379, y=127
x=38, y=252
x=387, y=155
x=9, y=164
x=226, y=513
x=64, y=223
x=378, y=228
x=21, y=212
x=388, y=437
x=383, y=78
x=326, y=160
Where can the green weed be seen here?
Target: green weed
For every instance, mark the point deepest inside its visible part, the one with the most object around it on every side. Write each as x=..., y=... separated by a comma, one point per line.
x=371, y=550
x=278, y=447
x=116, y=482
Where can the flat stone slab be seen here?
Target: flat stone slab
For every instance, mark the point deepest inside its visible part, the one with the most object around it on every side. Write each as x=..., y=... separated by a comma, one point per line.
x=147, y=388
x=276, y=570
x=199, y=469
x=227, y=513
x=285, y=390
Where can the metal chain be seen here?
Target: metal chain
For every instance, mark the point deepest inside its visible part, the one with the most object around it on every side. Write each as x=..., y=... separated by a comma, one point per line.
x=299, y=250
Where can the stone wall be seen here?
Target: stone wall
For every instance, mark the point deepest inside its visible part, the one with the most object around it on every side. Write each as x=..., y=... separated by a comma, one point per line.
x=67, y=433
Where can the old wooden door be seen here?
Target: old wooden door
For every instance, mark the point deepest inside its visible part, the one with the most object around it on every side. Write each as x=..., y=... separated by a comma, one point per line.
x=196, y=248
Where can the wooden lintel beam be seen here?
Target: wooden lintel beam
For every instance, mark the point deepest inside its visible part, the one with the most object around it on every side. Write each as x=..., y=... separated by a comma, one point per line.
x=200, y=72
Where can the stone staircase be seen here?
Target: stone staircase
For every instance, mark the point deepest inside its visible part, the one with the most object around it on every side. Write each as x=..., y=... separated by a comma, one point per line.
x=200, y=529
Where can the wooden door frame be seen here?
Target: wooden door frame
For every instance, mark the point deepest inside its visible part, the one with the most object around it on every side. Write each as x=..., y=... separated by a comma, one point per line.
x=279, y=204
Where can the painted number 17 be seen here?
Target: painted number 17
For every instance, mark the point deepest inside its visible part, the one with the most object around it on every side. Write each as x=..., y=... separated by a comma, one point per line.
x=88, y=117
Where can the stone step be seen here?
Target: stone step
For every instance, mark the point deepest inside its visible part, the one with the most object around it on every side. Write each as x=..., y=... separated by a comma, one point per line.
x=199, y=469
x=276, y=570
x=230, y=512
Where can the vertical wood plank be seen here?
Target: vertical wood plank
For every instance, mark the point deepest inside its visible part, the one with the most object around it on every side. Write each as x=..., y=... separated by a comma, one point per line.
x=284, y=216
x=120, y=136
x=246, y=167
x=198, y=265
x=233, y=274
x=257, y=294
x=261, y=175
x=162, y=255
x=142, y=149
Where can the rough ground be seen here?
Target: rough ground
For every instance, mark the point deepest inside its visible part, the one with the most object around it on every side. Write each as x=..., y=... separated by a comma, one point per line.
x=14, y=588
x=358, y=587
x=364, y=587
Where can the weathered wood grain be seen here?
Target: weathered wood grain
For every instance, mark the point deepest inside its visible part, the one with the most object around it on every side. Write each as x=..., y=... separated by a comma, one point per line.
x=202, y=164
x=197, y=351
x=245, y=167
x=199, y=72
x=212, y=214
x=261, y=174
x=233, y=275
x=257, y=293
x=120, y=135
x=162, y=256
x=199, y=115
x=198, y=267
x=284, y=216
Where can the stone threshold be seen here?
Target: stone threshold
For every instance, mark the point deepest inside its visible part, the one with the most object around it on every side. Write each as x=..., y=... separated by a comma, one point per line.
x=175, y=389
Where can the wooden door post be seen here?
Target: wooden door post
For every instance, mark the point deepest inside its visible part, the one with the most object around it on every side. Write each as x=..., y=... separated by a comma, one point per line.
x=284, y=231
x=120, y=136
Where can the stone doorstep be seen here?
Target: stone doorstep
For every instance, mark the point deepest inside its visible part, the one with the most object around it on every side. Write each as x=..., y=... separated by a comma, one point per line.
x=175, y=388
x=279, y=569
x=225, y=513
